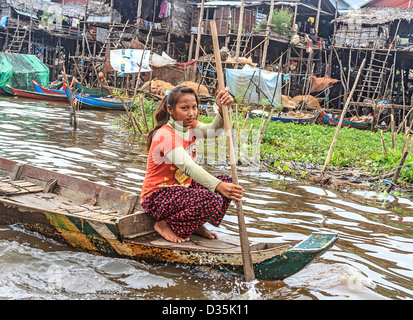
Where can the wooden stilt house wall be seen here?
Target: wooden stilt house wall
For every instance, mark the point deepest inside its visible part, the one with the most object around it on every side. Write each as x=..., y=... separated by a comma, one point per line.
x=383, y=36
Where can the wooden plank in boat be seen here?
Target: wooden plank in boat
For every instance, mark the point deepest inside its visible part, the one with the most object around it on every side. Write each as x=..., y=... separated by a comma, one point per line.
x=9, y=187
x=55, y=203
x=84, y=190
x=135, y=225
x=225, y=244
x=88, y=211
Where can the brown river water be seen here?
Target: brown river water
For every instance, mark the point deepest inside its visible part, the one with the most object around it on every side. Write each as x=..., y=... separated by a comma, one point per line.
x=373, y=259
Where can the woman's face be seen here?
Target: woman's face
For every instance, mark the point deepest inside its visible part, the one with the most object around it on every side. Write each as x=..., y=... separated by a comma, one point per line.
x=186, y=110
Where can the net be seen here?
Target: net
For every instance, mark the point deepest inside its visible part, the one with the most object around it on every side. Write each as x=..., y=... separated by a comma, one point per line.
x=18, y=71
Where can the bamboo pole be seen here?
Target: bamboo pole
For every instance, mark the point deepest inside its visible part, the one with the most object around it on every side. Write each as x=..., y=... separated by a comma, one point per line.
x=137, y=81
x=393, y=132
x=74, y=104
x=198, y=39
x=267, y=35
x=246, y=253
x=383, y=143
x=342, y=118
x=266, y=126
x=411, y=145
x=397, y=174
x=406, y=140
x=240, y=27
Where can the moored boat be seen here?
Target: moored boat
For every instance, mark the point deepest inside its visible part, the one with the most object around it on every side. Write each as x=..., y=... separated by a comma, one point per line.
x=289, y=117
x=4, y=92
x=37, y=95
x=97, y=92
x=105, y=220
x=333, y=120
x=97, y=103
x=39, y=88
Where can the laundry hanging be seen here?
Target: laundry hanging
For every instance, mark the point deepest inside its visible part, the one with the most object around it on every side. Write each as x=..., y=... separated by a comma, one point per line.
x=129, y=60
x=165, y=10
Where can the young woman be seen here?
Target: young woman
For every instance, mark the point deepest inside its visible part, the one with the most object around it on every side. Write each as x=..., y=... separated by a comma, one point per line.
x=177, y=192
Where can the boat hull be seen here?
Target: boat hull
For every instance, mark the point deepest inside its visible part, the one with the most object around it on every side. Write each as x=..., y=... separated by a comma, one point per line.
x=95, y=93
x=329, y=120
x=40, y=89
x=37, y=95
x=4, y=92
x=97, y=103
x=70, y=218
x=102, y=238
x=288, y=119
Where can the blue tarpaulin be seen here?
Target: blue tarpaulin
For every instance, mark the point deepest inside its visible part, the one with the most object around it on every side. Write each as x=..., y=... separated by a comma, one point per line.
x=255, y=85
x=3, y=21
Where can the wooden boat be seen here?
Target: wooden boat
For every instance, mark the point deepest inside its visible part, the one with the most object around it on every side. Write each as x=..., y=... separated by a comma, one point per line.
x=92, y=92
x=37, y=95
x=286, y=117
x=39, y=88
x=384, y=127
x=104, y=220
x=97, y=103
x=4, y=92
x=333, y=120
x=208, y=110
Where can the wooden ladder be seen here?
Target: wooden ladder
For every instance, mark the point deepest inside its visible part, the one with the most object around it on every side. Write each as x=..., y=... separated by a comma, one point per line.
x=372, y=84
x=114, y=38
x=16, y=43
x=245, y=41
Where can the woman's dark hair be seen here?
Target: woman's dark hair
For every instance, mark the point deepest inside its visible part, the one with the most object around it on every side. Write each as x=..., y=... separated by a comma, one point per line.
x=162, y=115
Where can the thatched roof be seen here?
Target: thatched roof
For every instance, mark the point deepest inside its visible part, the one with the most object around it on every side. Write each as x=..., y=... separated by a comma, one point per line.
x=376, y=16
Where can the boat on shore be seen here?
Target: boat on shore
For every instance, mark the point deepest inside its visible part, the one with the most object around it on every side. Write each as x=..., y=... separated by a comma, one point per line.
x=334, y=119
x=107, y=103
x=104, y=220
x=37, y=95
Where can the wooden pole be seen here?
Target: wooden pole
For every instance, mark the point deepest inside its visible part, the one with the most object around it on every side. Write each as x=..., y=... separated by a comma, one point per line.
x=139, y=12
x=137, y=81
x=240, y=27
x=266, y=126
x=74, y=104
x=383, y=144
x=267, y=35
x=112, y=4
x=397, y=174
x=342, y=118
x=198, y=39
x=393, y=132
x=246, y=253
x=191, y=49
x=317, y=21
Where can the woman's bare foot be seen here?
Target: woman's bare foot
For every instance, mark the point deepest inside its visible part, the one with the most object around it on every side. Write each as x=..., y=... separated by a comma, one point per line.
x=166, y=232
x=202, y=231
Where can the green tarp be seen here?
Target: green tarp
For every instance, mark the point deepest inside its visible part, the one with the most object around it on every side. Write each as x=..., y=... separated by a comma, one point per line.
x=18, y=71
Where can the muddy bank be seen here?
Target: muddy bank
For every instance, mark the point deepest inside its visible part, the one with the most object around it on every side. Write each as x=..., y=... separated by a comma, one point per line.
x=342, y=179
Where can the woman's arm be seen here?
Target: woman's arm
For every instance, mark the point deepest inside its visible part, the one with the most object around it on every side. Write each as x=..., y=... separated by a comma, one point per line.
x=187, y=165
x=212, y=130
